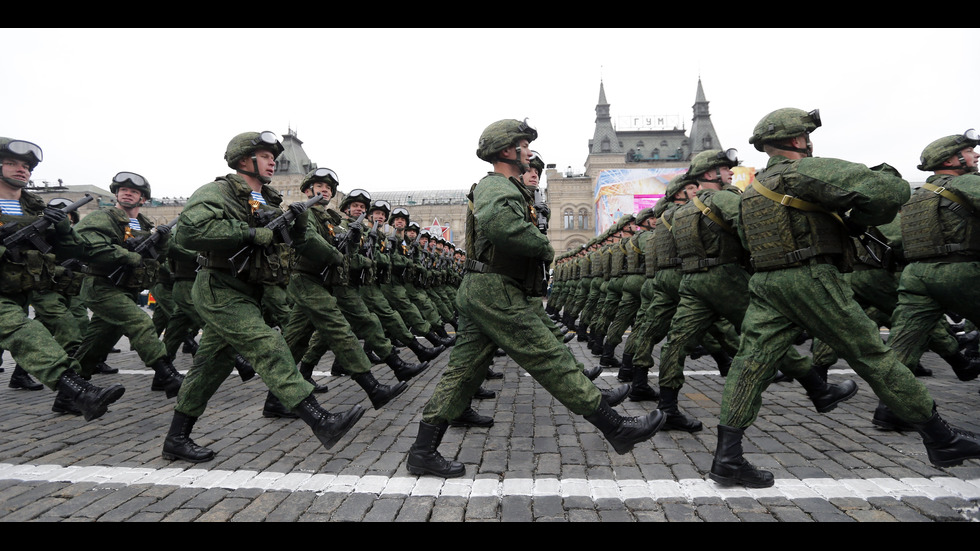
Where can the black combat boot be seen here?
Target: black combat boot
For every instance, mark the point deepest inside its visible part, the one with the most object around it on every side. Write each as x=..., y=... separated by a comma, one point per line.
x=436, y=340
x=921, y=371
x=90, y=400
x=729, y=467
x=698, y=351
x=338, y=370
x=244, y=368
x=327, y=427
x=625, y=374
x=966, y=369
x=499, y=353
x=424, y=457
x=166, y=378
x=378, y=393
x=676, y=420
x=273, y=408
x=491, y=374
x=625, y=432
x=592, y=373
x=947, y=446
x=103, y=368
x=190, y=345
x=470, y=418
x=822, y=370
x=372, y=357
x=20, y=379
x=615, y=396
x=640, y=389
x=568, y=337
x=446, y=338
x=723, y=360
x=306, y=370
x=424, y=353
x=885, y=419
x=608, y=358
x=781, y=378
x=569, y=322
x=826, y=396
x=403, y=370
x=484, y=394
x=581, y=334
x=595, y=342
x=178, y=444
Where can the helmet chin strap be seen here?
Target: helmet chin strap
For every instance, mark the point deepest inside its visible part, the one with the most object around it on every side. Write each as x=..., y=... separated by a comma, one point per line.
x=255, y=164
x=517, y=162
x=15, y=182
x=963, y=166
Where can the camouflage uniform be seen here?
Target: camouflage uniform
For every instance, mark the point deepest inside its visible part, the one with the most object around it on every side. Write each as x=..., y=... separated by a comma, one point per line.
x=115, y=308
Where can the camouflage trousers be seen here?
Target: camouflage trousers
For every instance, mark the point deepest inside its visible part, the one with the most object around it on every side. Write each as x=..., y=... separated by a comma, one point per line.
x=706, y=297
x=185, y=319
x=579, y=296
x=30, y=344
x=494, y=312
x=363, y=321
x=926, y=291
x=115, y=312
x=315, y=309
x=410, y=313
x=392, y=322
x=610, y=304
x=876, y=290
x=595, y=320
x=626, y=310
x=425, y=306
x=54, y=310
x=816, y=298
x=587, y=315
x=163, y=310
x=233, y=323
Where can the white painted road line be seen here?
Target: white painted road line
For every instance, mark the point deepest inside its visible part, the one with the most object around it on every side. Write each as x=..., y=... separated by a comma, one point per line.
x=689, y=489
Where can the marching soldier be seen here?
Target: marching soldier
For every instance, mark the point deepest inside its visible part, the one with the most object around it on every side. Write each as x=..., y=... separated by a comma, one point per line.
x=25, y=268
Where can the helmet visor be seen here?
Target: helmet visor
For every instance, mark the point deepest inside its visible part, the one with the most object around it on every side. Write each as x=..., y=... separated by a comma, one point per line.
x=381, y=204
x=267, y=138
x=325, y=174
x=130, y=178
x=400, y=212
x=814, y=117
x=24, y=149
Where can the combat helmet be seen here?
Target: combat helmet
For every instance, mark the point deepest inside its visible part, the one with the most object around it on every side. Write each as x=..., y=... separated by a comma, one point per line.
x=536, y=162
x=321, y=175
x=382, y=205
x=247, y=143
x=356, y=196
x=937, y=152
x=131, y=180
x=783, y=124
x=21, y=150
x=501, y=135
x=676, y=185
x=644, y=215
x=712, y=159
x=400, y=212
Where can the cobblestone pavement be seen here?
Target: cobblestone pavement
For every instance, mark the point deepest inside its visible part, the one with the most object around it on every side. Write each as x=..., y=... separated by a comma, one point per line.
x=537, y=463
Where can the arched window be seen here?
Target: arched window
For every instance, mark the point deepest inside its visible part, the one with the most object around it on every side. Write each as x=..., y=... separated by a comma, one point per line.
x=568, y=219
x=583, y=219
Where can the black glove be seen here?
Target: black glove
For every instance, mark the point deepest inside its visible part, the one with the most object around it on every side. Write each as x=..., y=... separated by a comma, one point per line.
x=54, y=215
x=163, y=230
x=297, y=208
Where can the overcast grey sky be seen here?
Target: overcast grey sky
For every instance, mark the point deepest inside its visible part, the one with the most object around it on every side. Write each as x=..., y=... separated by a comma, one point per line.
x=402, y=109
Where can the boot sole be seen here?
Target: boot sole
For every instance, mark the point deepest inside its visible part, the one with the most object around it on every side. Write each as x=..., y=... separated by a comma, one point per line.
x=728, y=481
x=404, y=378
x=831, y=406
x=112, y=394
x=420, y=471
x=173, y=457
x=629, y=447
x=395, y=391
x=328, y=442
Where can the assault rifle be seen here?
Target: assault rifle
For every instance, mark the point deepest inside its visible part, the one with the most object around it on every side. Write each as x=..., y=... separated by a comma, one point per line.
x=145, y=247
x=280, y=225
x=344, y=242
x=369, y=249
x=34, y=233
x=540, y=208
